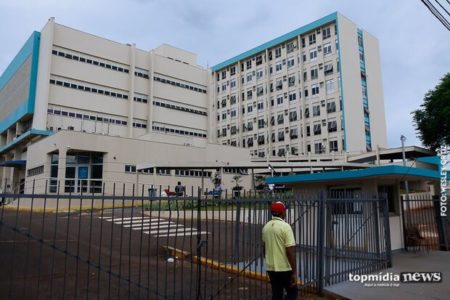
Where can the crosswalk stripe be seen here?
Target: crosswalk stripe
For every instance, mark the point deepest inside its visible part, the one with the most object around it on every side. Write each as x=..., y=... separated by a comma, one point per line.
x=151, y=227
x=140, y=224
x=168, y=230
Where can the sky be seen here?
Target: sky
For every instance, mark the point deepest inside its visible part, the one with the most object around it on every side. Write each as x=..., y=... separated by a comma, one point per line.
x=414, y=46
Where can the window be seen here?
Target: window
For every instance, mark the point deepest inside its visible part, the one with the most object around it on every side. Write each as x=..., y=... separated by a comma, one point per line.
x=249, y=108
x=259, y=91
x=233, y=84
x=279, y=99
x=312, y=38
x=272, y=120
x=249, y=126
x=305, y=76
x=224, y=131
x=249, y=94
x=328, y=69
x=224, y=116
x=329, y=86
x=233, y=71
x=290, y=47
x=293, y=116
x=326, y=33
x=290, y=62
x=233, y=113
x=307, y=112
x=312, y=54
x=318, y=148
x=233, y=100
x=281, y=135
x=334, y=146
x=250, y=142
x=280, y=119
x=249, y=64
x=224, y=103
x=315, y=89
x=317, y=129
x=327, y=49
x=259, y=74
x=261, y=123
x=224, y=74
x=261, y=140
x=279, y=85
x=291, y=81
x=260, y=105
x=332, y=126
x=292, y=96
x=233, y=130
x=278, y=67
x=277, y=52
x=331, y=107
x=303, y=43
x=130, y=169
x=293, y=133
x=259, y=60
x=308, y=131
x=224, y=87
x=314, y=73
x=281, y=152
x=316, y=110
x=249, y=77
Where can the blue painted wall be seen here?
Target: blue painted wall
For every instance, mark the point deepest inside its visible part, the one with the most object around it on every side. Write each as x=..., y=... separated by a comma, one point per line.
x=31, y=47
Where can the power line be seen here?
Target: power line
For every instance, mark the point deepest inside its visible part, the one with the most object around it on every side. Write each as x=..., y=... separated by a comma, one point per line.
x=436, y=13
x=443, y=7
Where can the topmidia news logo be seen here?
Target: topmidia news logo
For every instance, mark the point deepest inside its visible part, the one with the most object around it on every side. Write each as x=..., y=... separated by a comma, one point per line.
x=390, y=279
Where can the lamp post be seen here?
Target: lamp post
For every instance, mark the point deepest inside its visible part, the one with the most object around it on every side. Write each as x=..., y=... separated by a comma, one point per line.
x=403, y=139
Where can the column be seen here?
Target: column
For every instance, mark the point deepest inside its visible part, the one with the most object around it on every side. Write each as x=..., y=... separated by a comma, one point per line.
x=62, y=168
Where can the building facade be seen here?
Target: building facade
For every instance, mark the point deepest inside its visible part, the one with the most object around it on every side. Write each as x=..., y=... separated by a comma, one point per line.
x=77, y=110
x=316, y=90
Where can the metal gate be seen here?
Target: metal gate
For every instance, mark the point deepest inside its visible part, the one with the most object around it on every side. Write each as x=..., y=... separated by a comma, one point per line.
x=423, y=227
x=127, y=245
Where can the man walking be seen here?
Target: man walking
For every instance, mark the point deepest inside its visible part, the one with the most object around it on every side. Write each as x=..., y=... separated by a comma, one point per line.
x=279, y=249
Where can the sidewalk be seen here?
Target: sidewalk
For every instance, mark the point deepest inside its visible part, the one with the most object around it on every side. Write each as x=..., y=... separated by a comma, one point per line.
x=433, y=261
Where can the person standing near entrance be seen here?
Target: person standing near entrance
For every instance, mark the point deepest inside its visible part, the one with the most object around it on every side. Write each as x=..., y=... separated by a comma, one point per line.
x=279, y=252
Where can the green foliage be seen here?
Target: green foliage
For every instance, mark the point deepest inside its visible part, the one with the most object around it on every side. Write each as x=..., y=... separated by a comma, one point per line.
x=432, y=120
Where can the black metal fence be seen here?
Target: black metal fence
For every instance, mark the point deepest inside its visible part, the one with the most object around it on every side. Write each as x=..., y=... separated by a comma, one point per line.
x=423, y=226
x=202, y=246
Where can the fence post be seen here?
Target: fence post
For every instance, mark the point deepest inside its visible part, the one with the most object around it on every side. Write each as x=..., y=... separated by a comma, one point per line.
x=237, y=231
x=199, y=245
x=320, y=242
x=387, y=231
x=441, y=226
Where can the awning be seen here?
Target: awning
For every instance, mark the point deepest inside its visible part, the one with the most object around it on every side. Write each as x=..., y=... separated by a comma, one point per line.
x=13, y=163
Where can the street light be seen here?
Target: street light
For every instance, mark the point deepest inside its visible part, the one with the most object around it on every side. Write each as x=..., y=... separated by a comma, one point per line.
x=403, y=139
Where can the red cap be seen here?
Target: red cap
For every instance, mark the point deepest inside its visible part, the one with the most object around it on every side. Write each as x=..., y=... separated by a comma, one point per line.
x=278, y=207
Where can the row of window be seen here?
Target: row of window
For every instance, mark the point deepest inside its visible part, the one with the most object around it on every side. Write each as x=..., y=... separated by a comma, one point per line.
x=330, y=108
x=88, y=117
x=180, y=108
x=276, y=52
x=165, y=171
x=319, y=147
x=35, y=171
x=88, y=89
x=178, y=131
x=89, y=60
x=293, y=132
x=178, y=84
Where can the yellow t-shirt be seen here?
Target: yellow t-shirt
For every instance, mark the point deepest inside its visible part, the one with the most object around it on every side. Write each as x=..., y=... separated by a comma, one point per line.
x=277, y=235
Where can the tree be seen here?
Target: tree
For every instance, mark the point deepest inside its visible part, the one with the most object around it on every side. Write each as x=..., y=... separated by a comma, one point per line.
x=432, y=120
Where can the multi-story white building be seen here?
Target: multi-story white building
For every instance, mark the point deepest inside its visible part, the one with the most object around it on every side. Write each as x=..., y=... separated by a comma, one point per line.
x=78, y=110
x=315, y=90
